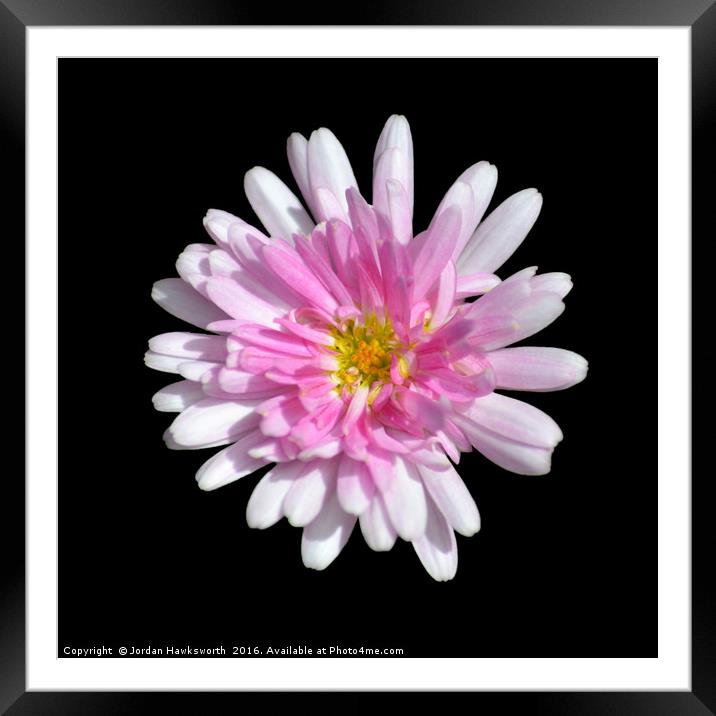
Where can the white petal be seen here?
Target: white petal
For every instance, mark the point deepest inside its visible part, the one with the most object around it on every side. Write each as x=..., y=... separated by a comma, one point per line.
x=392, y=165
x=328, y=165
x=276, y=205
x=554, y=282
x=460, y=198
x=500, y=233
x=193, y=265
x=265, y=507
x=230, y=464
x=354, y=486
x=195, y=369
x=475, y=284
x=400, y=211
x=309, y=492
x=165, y=364
x=377, y=529
x=181, y=300
x=328, y=207
x=176, y=397
x=326, y=536
x=444, y=297
x=513, y=434
x=514, y=419
x=240, y=303
x=190, y=345
x=396, y=135
x=212, y=420
x=189, y=369
x=537, y=313
x=297, y=150
x=437, y=548
x=510, y=455
x=452, y=498
x=537, y=369
x=217, y=223
x=482, y=178
x=405, y=501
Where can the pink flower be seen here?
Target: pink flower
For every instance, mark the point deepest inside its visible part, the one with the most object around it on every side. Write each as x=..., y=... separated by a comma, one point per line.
x=346, y=354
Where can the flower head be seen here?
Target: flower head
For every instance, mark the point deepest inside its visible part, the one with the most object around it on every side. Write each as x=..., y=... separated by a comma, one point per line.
x=346, y=353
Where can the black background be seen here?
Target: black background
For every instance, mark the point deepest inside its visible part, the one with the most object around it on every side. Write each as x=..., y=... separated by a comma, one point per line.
x=565, y=565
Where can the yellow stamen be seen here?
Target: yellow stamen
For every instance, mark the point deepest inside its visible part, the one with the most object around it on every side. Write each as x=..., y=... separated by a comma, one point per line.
x=364, y=352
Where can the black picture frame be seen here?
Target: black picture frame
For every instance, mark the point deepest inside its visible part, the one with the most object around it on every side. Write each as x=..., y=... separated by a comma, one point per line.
x=17, y=15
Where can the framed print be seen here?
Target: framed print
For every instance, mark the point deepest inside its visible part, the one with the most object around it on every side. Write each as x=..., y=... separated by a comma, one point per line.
x=358, y=357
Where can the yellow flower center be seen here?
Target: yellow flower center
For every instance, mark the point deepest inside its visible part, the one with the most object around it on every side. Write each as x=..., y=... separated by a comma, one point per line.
x=364, y=352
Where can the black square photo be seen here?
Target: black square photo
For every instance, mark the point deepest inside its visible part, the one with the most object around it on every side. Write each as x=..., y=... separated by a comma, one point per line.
x=329, y=385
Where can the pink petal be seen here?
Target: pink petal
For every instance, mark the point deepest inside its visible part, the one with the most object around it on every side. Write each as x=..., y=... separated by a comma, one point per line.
x=308, y=334
x=356, y=407
x=322, y=270
x=272, y=339
x=425, y=411
x=288, y=266
x=435, y=252
x=223, y=264
x=342, y=249
x=282, y=417
x=247, y=249
x=363, y=217
x=494, y=331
